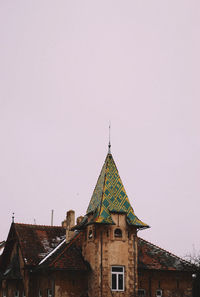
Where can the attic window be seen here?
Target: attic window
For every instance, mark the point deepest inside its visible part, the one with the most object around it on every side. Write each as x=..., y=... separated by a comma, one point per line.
x=118, y=232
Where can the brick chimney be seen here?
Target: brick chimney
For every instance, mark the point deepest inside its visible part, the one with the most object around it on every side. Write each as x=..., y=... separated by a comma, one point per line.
x=79, y=220
x=70, y=222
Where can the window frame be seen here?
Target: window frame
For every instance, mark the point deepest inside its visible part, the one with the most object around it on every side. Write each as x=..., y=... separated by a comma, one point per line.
x=16, y=294
x=49, y=292
x=142, y=290
x=118, y=233
x=117, y=274
x=160, y=291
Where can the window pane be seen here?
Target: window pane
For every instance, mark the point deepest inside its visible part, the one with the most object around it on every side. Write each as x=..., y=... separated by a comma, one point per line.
x=114, y=282
x=117, y=269
x=120, y=282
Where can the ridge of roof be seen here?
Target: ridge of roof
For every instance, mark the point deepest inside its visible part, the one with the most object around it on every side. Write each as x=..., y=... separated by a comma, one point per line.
x=37, y=225
x=67, y=256
x=109, y=196
x=52, y=252
x=2, y=243
x=68, y=244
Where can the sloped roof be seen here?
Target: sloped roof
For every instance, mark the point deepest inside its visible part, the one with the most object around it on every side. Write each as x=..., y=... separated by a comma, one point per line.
x=13, y=270
x=36, y=241
x=67, y=257
x=47, y=242
x=2, y=244
x=153, y=257
x=110, y=196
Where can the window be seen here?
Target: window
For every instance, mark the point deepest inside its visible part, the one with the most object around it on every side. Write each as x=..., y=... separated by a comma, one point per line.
x=49, y=293
x=141, y=292
x=118, y=232
x=4, y=293
x=117, y=274
x=40, y=293
x=16, y=294
x=23, y=294
x=158, y=293
x=90, y=235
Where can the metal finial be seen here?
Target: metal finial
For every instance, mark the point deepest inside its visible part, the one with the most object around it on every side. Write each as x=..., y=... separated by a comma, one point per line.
x=109, y=145
x=13, y=217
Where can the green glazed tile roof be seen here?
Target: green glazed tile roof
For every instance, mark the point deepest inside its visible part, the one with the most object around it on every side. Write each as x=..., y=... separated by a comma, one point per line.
x=110, y=196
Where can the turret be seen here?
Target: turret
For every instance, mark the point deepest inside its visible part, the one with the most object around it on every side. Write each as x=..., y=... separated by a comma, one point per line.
x=110, y=244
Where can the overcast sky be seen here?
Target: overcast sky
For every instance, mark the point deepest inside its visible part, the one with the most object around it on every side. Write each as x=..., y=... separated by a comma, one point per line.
x=67, y=68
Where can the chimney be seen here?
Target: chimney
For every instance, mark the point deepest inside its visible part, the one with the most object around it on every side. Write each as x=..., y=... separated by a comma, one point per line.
x=70, y=222
x=79, y=220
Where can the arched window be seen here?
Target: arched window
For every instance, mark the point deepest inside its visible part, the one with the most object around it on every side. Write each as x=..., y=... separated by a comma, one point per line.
x=118, y=232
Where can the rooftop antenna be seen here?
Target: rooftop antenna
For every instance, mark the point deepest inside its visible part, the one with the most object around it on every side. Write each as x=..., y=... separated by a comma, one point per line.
x=109, y=145
x=13, y=217
x=52, y=217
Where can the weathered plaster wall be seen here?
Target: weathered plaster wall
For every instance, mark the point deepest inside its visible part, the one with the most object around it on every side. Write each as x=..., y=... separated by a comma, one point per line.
x=103, y=250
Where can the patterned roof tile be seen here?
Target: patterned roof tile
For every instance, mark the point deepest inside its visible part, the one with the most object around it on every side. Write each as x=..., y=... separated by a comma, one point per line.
x=110, y=196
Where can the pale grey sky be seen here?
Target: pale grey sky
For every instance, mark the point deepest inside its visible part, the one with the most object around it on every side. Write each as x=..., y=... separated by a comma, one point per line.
x=66, y=69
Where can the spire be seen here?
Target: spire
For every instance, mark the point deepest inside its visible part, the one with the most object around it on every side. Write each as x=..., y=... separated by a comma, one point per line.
x=13, y=217
x=109, y=145
x=109, y=196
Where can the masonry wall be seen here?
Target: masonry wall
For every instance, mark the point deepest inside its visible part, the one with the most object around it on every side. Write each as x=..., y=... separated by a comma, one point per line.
x=102, y=249
x=172, y=283
x=11, y=287
x=61, y=283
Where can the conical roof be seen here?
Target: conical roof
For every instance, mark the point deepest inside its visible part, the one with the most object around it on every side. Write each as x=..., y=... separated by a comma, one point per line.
x=109, y=196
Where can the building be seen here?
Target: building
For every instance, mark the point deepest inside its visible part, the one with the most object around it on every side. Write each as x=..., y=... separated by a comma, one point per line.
x=100, y=256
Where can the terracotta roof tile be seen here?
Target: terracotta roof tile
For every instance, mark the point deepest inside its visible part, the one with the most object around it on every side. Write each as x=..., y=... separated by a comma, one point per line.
x=153, y=257
x=36, y=241
x=68, y=256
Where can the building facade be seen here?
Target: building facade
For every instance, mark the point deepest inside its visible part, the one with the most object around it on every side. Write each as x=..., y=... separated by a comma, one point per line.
x=100, y=256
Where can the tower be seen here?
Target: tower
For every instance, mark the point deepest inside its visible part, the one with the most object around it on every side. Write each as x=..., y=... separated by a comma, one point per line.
x=110, y=239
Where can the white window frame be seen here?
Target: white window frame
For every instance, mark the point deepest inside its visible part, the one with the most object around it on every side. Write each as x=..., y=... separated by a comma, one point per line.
x=4, y=293
x=49, y=292
x=16, y=294
x=117, y=274
x=160, y=291
x=40, y=293
x=141, y=290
